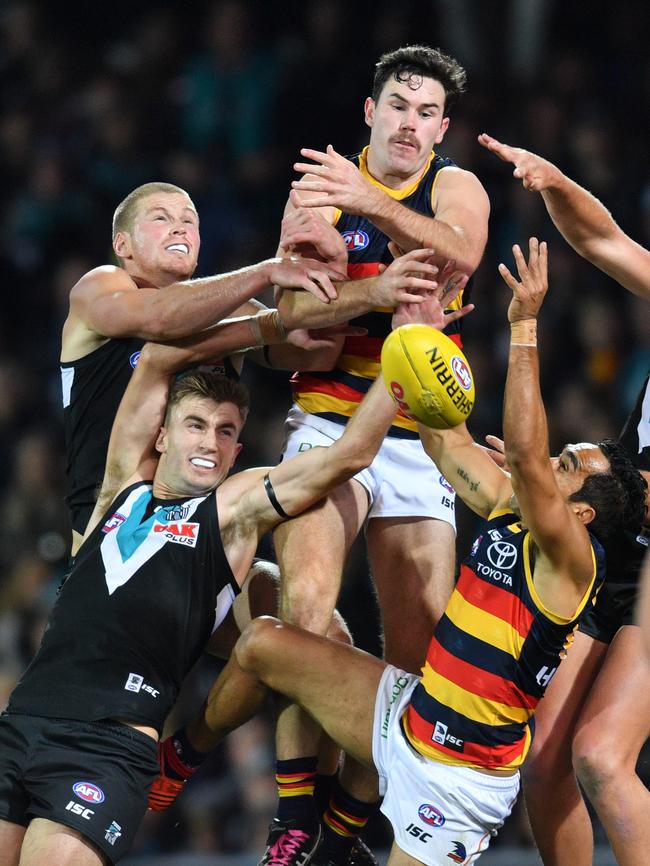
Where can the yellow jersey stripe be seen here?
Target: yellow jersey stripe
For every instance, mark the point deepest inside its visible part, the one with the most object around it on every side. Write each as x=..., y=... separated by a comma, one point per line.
x=317, y=402
x=475, y=707
x=484, y=626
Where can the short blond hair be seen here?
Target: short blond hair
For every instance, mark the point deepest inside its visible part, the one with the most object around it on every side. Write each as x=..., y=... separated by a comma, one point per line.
x=125, y=212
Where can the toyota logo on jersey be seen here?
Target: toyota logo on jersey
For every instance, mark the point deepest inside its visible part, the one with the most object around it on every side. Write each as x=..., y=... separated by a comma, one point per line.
x=502, y=554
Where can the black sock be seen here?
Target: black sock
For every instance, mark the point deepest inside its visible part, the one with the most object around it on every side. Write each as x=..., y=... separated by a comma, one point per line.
x=343, y=821
x=296, y=779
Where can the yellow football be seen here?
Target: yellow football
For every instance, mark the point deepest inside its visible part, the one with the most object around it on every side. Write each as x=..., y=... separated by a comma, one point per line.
x=428, y=376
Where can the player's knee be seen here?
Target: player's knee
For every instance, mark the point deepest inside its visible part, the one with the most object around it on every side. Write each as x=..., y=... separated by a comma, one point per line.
x=309, y=610
x=596, y=766
x=255, y=642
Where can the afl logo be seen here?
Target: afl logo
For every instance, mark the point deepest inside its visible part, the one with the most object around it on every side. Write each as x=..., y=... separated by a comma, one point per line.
x=446, y=484
x=355, y=240
x=502, y=554
x=133, y=360
x=461, y=372
x=88, y=792
x=431, y=816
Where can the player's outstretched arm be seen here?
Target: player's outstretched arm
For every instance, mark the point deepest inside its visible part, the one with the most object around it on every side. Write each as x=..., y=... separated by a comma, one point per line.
x=142, y=408
x=109, y=302
x=253, y=504
x=404, y=281
x=556, y=530
x=458, y=231
x=583, y=220
x=475, y=477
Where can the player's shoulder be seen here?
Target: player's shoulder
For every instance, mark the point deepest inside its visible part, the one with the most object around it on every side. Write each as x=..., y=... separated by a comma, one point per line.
x=461, y=184
x=454, y=174
x=103, y=278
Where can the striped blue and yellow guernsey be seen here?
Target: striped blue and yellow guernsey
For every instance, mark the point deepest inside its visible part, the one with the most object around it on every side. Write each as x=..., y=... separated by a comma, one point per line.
x=492, y=655
x=336, y=394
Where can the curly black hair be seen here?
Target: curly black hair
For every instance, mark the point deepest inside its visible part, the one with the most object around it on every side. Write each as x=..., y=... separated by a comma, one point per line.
x=412, y=63
x=618, y=496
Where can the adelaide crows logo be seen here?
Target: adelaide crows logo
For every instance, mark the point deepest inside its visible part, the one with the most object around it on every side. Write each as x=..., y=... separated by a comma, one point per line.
x=459, y=854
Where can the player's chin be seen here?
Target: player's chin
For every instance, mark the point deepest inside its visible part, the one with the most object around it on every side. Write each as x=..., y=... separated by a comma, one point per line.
x=201, y=480
x=181, y=268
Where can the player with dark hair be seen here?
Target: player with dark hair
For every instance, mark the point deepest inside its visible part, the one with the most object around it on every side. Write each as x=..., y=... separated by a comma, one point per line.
x=595, y=717
x=168, y=546
x=399, y=190
x=448, y=745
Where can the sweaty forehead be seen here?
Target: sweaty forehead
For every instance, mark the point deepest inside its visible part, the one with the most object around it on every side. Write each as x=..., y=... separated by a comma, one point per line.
x=589, y=457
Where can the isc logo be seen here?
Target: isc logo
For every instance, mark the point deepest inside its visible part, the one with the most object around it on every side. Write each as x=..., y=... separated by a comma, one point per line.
x=418, y=832
x=78, y=809
x=88, y=792
x=355, y=240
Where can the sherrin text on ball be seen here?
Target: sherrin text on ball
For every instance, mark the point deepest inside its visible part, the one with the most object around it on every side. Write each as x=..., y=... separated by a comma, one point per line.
x=428, y=376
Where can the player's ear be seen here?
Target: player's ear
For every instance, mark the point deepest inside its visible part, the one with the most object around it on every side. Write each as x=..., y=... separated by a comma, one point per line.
x=161, y=441
x=238, y=448
x=443, y=128
x=369, y=111
x=122, y=245
x=584, y=512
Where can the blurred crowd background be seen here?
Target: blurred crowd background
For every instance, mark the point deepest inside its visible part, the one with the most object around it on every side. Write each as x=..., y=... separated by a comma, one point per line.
x=218, y=97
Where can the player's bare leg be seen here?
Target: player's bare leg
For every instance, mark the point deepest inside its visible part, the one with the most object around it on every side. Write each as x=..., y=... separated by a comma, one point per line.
x=338, y=692
x=11, y=840
x=397, y=857
x=48, y=842
x=558, y=815
x=613, y=727
x=413, y=561
x=312, y=550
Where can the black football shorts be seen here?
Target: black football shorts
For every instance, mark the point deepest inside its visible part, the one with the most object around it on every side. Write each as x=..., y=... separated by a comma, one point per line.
x=91, y=776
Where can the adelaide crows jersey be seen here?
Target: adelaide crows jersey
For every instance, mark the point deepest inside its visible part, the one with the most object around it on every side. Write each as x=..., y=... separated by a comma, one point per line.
x=492, y=655
x=336, y=394
x=148, y=587
x=92, y=388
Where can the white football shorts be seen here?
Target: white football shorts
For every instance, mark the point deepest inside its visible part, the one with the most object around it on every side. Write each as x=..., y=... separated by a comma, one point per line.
x=402, y=480
x=440, y=814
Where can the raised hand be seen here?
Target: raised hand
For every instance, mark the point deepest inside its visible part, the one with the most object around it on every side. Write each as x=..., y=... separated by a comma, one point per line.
x=308, y=234
x=528, y=293
x=334, y=182
x=406, y=280
x=534, y=171
x=432, y=309
x=308, y=274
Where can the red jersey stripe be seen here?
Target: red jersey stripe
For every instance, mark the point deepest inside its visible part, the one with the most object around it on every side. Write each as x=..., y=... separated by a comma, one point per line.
x=495, y=600
x=475, y=680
